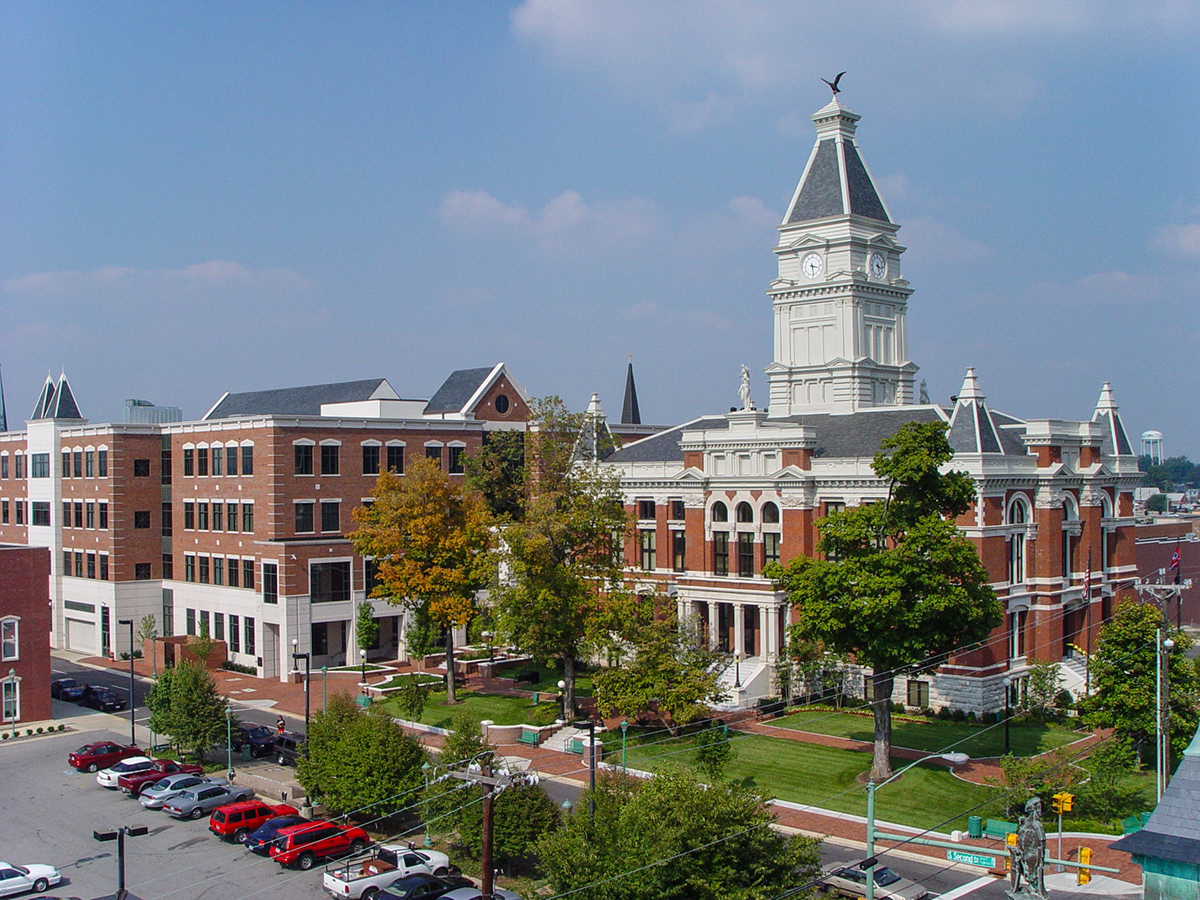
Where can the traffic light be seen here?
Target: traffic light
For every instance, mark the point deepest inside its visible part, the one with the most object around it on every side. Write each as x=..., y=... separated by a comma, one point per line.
x=1011, y=840
x=1062, y=802
x=1085, y=857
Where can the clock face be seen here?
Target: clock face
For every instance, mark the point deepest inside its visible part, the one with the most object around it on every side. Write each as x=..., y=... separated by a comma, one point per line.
x=878, y=265
x=812, y=265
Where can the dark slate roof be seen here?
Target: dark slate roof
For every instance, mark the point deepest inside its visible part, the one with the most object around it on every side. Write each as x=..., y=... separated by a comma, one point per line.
x=1116, y=441
x=864, y=199
x=630, y=414
x=65, y=406
x=456, y=390
x=1010, y=429
x=1173, y=831
x=45, y=400
x=821, y=193
x=664, y=446
x=294, y=401
x=3, y=413
x=972, y=429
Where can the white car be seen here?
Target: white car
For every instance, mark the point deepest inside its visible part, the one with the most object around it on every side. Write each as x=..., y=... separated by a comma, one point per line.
x=18, y=879
x=108, y=777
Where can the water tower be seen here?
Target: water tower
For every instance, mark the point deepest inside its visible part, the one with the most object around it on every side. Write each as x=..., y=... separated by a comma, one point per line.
x=1152, y=446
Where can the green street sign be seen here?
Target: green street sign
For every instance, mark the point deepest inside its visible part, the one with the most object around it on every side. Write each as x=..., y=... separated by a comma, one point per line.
x=971, y=859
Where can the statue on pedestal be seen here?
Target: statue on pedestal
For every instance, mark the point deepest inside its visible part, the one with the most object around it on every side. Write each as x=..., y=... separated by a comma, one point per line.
x=1029, y=856
x=744, y=389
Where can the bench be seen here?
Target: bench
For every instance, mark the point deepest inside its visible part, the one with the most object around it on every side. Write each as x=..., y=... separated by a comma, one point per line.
x=532, y=738
x=998, y=829
x=529, y=676
x=575, y=745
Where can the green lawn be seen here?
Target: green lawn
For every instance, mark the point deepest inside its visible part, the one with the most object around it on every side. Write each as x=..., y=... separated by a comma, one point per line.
x=548, y=680
x=498, y=708
x=397, y=680
x=806, y=773
x=1027, y=738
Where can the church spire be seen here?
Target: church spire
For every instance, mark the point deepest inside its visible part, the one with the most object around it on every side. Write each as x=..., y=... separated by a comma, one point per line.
x=3, y=412
x=630, y=414
x=45, y=400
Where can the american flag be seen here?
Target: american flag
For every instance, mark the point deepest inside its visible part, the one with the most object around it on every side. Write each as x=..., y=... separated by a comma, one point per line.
x=1175, y=567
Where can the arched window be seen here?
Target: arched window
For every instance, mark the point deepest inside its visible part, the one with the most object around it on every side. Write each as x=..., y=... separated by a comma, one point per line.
x=1018, y=514
x=771, y=538
x=1069, y=514
x=720, y=512
x=770, y=514
x=745, y=512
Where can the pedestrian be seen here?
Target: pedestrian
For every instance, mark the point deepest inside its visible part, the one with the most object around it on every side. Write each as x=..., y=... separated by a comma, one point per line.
x=280, y=724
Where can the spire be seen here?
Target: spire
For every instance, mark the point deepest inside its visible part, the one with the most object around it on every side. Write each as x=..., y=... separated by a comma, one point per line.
x=65, y=406
x=595, y=440
x=1116, y=441
x=630, y=414
x=3, y=413
x=970, y=387
x=971, y=427
x=45, y=400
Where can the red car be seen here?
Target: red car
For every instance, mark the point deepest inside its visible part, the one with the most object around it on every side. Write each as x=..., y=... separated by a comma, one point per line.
x=303, y=845
x=133, y=782
x=235, y=821
x=100, y=755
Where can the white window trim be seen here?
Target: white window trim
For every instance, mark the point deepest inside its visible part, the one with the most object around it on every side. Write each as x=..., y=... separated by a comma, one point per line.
x=16, y=623
x=331, y=442
x=457, y=444
x=304, y=442
x=372, y=443
x=396, y=444
x=245, y=443
x=438, y=444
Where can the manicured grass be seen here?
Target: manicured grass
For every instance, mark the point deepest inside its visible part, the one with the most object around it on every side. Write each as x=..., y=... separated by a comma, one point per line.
x=397, y=680
x=548, y=680
x=502, y=710
x=822, y=776
x=1027, y=737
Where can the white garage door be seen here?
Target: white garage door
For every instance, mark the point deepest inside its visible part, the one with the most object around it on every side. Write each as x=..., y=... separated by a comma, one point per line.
x=81, y=636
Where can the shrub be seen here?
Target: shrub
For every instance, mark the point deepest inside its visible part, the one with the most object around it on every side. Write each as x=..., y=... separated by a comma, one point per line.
x=971, y=716
x=944, y=713
x=958, y=716
x=28, y=731
x=4, y=736
x=39, y=731
x=238, y=667
x=62, y=727
x=1063, y=700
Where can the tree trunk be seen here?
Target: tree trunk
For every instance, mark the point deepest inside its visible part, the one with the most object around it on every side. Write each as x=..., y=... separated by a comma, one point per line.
x=450, y=695
x=569, y=680
x=882, y=682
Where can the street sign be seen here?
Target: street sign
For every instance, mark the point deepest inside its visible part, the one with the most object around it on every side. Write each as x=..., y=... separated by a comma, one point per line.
x=971, y=859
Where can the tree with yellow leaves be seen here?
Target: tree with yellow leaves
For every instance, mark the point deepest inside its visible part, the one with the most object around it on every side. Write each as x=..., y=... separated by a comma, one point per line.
x=429, y=536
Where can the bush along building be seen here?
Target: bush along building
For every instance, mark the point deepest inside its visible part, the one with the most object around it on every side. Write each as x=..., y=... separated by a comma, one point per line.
x=234, y=524
x=717, y=498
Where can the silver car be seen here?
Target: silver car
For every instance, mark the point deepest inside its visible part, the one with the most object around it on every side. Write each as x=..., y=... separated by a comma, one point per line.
x=850, y=881
x=195, y=802
x=157, y=794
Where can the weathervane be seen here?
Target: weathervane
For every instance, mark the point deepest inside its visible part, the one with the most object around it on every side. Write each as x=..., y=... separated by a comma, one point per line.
x=833, y=85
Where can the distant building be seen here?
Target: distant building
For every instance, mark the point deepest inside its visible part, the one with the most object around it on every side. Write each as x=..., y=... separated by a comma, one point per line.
x=24, y=627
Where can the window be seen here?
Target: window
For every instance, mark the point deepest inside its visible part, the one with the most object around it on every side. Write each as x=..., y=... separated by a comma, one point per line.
x=91, y=514
x=218, y=570
x=190, y=620
x=39, y=465
x=502, y=404
x=331, y=515
x=395, y=458
x=104, y=514
x=3, y=512
x=204, y=569
x=189, y=461
x=167, y=522
x=218, y=460
x=66, y=519
x=231, y=517
x=770, y=514
x=168, y=567
x=720, y=553
x=141, y=571
x=645, y=509
x=677, y=513
x=91, y=565
x=77, y=463
x=770, y=547
x=647, y=545
x=304, y=517
x=918, y=693
x=20, y=505
x=745, y=555
x=248, y=574
x=434, y=453
x=270, y=583
x=330, y=459
x=164, y=464
x=189, y=515
x=66, y=464
x=233, y=573
x=745, y=512
x=89, y=463
x=189, y=571
x=104, y=567
x=370, y=453
x=456, y=460
x=10, y=708
x=9, y=645
x=202, y=516
x=78, y=564
x=720, y=512
x=219, y=626
x=202, y=461
x=231, y=456
x=141, y=518
x=78, y=514
x=248, y=518
x=370, y=576
x=41, y=513
x=102, y=463
x=329, y=582
x=18, y=466
x=248, y=634
x=4, y=466
x=247, y=460
x=320, y=638
x=1017, y=515
x=235, y=644
x=679, y=551
x=218, y=510
x=141, y=468
x=304, y=459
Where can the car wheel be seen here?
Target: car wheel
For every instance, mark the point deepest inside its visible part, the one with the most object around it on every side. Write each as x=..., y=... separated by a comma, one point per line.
x=239, y=836
x=40, y=885
x=196, y=813
x=369, y=893
x=441, y=871
x=356, y=846
x=92, y=767
x=305, y=861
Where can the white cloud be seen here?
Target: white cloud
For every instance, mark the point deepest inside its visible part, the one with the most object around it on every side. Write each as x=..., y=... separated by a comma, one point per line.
x=930, y=241
x=1178, y=240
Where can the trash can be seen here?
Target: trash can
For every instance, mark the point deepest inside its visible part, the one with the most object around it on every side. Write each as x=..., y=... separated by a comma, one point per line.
x=537, y=698
x=975, y=826
x=363, y=700
x=246, y=753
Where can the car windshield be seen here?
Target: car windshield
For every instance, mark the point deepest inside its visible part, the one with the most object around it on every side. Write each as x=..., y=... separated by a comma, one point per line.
x=271, y=827
x=22, y=870
x=258, y=732
x=66, y=682
x=886, y=876
x=130, y=764
x=88, y=748
x=161, y=784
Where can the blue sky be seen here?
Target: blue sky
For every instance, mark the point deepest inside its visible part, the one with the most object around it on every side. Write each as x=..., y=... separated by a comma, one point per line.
x=197, y=198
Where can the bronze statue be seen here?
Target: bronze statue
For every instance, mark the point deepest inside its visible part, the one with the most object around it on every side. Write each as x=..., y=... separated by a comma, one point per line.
x=1029, y=856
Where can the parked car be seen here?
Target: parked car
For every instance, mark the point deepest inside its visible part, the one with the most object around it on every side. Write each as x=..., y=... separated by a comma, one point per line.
x=303, y=845
x=259, y=840
x=423, y=887
x=288, y=748
x=132, y=783
x=259, y=738
x=100, y=755
x=199, y=801
x=364, y=878
x=103, y=699
x=108, y=777
x=18, y=879
x=66, y=689
x=850, y=881
x=156, y=796
x=236, y=821
x=473, y=893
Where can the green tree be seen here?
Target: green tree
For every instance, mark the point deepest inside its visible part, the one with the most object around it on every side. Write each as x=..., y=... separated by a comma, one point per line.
x=411, y=697
x=429, y=535
x=1108, y=792
x=497, y=471
x=201, y=644
x=158, y=701
x=1042, y=686
x=642, y=828
x=147, y=631
x=521, y=816
x=358, y=760
x=898, y=582
x=184, y=703
x=1158, y=503
x=714, y=750
x=1023, y=777
x=1123, y=671
x=366, y=629
x=560, y=556
x=444, y=798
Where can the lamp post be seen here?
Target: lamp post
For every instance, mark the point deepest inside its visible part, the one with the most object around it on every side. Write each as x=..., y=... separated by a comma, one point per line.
x=1162, y=714
x=362, y=658
x=487, y=636
x=425, y=772
x=624, y=728
x=562, y=696
x=229, y=742
x=324, y=687
x=737, y=669
x=1007, y=682
x=132, y=701
x=12, y=692
x=307, y=657
x=956, y=759
x=119, y=837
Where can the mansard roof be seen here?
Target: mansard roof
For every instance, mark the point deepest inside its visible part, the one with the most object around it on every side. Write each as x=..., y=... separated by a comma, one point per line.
x=457, y=390
x=972, y=429
x=300, y=401
x=1116, y=441
x=664, y=446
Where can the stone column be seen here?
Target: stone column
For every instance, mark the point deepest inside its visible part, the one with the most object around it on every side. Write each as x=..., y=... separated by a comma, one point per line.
x=712, y=624
x=739, y=628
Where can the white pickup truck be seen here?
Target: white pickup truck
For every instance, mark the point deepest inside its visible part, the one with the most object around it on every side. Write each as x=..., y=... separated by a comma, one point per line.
x=363, y=878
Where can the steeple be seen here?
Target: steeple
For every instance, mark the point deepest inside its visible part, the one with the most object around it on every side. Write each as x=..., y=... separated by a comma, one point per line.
x=630, y=414
x=3, y=412
x=45, y=400
x=595, y=439
x=1116, y=441
x=840, y=302
x=65, y=406
x=971, y=427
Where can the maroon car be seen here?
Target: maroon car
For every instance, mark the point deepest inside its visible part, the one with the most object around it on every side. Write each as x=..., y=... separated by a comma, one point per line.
x=100, y=755
x=133, y=782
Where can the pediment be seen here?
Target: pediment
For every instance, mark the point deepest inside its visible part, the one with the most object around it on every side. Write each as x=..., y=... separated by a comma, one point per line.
x=808, y=240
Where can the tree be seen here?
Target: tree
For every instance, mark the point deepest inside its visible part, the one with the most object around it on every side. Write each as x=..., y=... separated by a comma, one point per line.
x=521, y=816
x=411, y=697
x=1042, y=687
x=558, y=559
x=185, y=704
x=366, y=629
x=498, y=472
x=1158, y=503
x=714, y=750
x=358, y=760
x=1123, y=673
x=429, y=535
x=673, y=838
x=158, y=701
x=147, y=630
x=201, y=644
x=898, y=582
x=443, y=799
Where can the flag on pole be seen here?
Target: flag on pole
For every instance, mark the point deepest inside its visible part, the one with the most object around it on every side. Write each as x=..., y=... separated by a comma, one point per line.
x=1175, y=567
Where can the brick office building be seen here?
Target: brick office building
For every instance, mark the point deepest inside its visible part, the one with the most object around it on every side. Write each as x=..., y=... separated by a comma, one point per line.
x=236, y=521
x=717, y=498
x=24, y=635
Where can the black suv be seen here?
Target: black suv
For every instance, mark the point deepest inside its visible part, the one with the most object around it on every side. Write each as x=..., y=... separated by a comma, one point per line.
x=259, y=738
x=288, y=748
x=259, y=840
x=102, y=698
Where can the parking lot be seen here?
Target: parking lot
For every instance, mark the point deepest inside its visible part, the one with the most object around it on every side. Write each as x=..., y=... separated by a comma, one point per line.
x=48, y=812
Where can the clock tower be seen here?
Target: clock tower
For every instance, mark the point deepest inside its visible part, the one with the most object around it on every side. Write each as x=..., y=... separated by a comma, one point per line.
x=839, y=301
